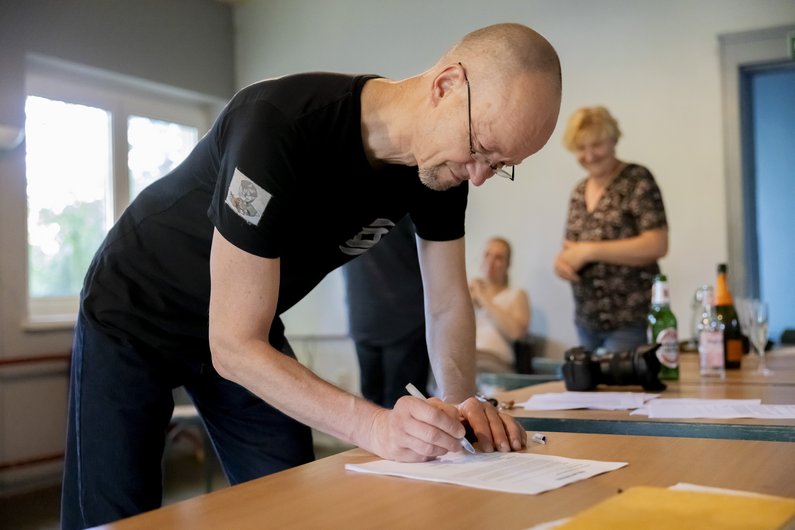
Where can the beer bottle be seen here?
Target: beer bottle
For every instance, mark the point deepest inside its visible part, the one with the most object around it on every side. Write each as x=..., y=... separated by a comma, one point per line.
x=710, y=340
x=662, y=328
x=730, y=323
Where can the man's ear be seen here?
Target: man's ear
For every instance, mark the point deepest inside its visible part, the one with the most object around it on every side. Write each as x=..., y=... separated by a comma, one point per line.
x=446, y=81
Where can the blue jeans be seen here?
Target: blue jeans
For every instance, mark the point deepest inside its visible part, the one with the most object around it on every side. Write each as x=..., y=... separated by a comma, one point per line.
x=120, y=403
x=620, y=339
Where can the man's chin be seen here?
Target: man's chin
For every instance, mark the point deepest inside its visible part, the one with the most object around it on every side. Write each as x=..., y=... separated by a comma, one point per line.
x=430, y=178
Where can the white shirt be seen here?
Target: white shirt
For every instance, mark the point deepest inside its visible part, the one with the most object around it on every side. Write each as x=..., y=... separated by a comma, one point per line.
x=488, y=337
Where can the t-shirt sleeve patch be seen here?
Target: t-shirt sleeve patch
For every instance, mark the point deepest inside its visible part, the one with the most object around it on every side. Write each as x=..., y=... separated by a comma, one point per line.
x=246, y=198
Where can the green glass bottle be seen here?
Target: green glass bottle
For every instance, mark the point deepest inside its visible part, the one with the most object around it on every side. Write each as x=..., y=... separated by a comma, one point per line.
x=662, y=328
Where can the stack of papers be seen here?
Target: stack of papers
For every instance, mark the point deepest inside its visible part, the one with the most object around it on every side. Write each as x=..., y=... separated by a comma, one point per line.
x=682, y=404
x=649, y=405
x=587, y=400
x=508, y=472
x=715, y=409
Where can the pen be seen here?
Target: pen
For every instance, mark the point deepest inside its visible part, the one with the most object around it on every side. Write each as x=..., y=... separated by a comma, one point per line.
x=417, y=394
x=539, y=438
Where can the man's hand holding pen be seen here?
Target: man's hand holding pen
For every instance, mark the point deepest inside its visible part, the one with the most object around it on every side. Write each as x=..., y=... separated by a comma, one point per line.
x=417, y=430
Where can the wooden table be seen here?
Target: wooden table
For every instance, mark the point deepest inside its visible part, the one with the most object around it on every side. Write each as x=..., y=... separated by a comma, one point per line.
x=620, y=421
x=781, y=362
x=738, y=384
x=324, y=495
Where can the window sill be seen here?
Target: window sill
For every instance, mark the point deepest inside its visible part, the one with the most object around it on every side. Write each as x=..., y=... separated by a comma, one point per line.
x=49, y=323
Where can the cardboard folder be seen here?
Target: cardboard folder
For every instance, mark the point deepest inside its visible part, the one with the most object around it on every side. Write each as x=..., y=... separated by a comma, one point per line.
x=653, y=508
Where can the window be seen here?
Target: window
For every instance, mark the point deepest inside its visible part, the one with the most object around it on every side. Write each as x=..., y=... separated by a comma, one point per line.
x=93, y=143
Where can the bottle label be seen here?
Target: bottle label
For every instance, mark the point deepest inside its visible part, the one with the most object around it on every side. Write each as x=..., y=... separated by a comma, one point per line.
x=659, y=293
x=734, y=350
x=710, y=349
x=668, y=352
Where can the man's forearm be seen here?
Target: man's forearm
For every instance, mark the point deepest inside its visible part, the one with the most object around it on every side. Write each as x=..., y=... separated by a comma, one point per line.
x=296, y=391
x=451, y=345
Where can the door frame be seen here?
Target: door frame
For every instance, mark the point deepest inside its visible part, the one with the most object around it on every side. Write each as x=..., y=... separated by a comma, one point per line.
x=740, y=53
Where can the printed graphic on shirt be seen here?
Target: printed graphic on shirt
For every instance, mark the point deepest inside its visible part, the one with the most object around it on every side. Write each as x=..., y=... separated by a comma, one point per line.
x=369, y=236
x=246, y=198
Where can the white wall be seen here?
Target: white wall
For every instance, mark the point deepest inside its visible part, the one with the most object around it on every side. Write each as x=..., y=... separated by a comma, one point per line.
x=654, y=64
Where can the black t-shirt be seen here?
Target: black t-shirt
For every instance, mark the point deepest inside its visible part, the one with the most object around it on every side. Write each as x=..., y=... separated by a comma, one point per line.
x=384, y=291
x=281, y=174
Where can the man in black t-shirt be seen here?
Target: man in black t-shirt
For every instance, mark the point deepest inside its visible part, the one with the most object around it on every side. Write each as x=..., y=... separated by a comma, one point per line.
x=297, y=176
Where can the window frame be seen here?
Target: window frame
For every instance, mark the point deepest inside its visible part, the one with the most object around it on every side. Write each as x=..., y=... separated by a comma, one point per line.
x=122, y=97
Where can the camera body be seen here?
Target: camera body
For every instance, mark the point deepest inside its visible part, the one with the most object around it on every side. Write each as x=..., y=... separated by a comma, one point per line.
x=582, y=370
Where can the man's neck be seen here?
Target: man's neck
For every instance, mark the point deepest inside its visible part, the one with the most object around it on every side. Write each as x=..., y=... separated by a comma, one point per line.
x=387, y=115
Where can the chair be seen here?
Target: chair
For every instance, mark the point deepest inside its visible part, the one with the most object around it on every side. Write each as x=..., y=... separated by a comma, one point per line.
x=524, y=350
x=530, y=369
x=528, y=361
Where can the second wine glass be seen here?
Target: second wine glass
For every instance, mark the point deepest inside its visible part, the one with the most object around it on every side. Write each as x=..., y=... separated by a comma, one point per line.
x=758, y=319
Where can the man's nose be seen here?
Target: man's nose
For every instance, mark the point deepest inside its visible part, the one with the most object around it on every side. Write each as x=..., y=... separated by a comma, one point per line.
x=479, y=173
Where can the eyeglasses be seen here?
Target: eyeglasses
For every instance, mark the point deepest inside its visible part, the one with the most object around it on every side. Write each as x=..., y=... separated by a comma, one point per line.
x=497, y=169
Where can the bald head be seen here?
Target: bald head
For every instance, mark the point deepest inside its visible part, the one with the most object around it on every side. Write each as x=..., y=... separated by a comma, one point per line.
x=491, y=101
x=506, y=51
x=515, y=77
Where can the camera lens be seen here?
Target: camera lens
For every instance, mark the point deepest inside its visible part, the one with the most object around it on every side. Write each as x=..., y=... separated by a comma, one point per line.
x=584, y=371
x=620, y=368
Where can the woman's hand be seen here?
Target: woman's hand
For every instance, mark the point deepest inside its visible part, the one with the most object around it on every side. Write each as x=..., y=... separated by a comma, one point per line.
x=573, y=257
x=479, y=292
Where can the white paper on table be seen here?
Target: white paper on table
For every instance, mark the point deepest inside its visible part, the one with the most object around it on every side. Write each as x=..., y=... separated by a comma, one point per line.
x=686, y=402
x=721, y=411
x=507, y=472
x=587, y=400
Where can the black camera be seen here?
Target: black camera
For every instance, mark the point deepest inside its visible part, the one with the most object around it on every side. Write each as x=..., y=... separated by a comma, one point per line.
x=583, y=370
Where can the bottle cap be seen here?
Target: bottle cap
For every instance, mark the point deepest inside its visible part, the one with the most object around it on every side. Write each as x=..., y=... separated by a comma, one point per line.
x=721, y=268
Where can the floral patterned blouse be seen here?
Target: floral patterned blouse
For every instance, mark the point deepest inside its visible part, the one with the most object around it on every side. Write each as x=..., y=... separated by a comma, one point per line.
x=613, y=296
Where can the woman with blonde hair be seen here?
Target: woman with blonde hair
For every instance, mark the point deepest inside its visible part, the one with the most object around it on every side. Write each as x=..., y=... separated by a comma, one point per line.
x=502, y=313
x=616, y=232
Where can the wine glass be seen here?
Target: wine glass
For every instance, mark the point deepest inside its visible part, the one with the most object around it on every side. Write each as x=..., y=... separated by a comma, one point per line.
x=744, y=314
x=756, y=316
x=698, y=314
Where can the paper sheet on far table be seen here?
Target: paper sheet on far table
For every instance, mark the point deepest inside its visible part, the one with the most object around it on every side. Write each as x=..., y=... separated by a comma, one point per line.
x=662, y=409
x=683, y=403
x=508, y=472
x=587, y=400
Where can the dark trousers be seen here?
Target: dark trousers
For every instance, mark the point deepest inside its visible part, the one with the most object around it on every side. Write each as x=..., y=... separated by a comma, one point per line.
x=615, y=340
x=120, y=403
x=386, y=369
